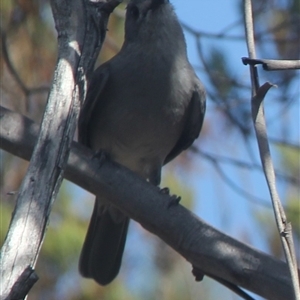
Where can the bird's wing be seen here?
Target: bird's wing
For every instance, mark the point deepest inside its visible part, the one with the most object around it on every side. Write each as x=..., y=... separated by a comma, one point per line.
x=96, y=86
x=192, y=128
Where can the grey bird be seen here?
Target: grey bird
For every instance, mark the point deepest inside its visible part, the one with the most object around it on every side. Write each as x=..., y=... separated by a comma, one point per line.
x=143, y=108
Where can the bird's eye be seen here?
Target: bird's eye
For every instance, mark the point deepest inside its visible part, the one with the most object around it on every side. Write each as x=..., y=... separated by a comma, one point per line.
x=134, y=12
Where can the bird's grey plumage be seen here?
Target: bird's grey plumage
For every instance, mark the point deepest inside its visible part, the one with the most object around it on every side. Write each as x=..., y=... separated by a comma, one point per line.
x=143, y=107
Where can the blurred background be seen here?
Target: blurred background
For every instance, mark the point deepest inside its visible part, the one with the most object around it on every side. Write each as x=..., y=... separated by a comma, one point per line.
x=220, y=179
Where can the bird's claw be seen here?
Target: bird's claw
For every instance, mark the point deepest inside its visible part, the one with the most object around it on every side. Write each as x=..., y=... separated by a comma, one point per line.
x=101, y=156
x=174, y=198
x=198, y=274
x=165, y=191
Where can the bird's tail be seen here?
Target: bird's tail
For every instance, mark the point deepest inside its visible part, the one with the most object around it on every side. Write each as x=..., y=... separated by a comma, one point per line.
x=104, y=244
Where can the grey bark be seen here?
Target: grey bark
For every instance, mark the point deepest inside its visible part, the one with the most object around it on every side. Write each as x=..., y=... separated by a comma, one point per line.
x=207, y=249
x=81, y=26
x=273, y=64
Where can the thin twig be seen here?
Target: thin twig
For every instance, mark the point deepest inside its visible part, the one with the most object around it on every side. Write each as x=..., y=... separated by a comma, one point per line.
x=262, y=36
x=237, y=290
x=10, y=66
x=232, y=184
x=27, y=91
x=273, y=64
x=258, y=94
x=242, y=164
x=242, y=128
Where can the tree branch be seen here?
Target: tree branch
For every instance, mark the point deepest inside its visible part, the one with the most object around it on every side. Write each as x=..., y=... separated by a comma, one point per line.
x=258, y=94
x=273, y=64
x=206, y=248
x=27, y=91
x=81, y=27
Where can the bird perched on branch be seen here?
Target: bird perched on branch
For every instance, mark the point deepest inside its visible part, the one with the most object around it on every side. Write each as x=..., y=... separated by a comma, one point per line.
x=143, y=108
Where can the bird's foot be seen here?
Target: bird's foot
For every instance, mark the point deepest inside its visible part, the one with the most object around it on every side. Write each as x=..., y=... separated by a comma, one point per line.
x=198, y=274
x=174, y=198
x=101, y=156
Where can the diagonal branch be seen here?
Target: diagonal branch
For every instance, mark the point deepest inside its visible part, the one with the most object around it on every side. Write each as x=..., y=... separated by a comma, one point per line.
x=81, y=26
x=206, y=248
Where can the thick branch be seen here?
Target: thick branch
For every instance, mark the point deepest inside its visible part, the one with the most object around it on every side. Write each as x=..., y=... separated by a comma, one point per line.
x=81, y=26
x=206, y=248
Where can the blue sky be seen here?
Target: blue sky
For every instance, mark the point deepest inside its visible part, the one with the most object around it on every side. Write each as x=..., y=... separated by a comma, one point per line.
x=213, y=17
